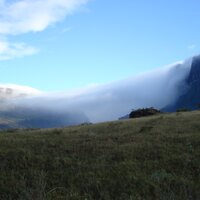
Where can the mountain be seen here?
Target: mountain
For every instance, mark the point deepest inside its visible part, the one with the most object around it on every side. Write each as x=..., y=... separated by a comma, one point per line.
x=15, y=114
x=169, y=88
x=37, y=117
x=190, y=98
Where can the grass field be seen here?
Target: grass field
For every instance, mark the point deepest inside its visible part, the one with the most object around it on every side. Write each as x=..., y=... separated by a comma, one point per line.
x=152, y=158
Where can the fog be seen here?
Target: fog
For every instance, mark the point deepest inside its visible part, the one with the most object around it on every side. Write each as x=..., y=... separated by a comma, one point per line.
x=156, y=88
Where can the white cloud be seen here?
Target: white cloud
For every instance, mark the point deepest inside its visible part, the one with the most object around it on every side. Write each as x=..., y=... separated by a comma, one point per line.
x=15, y=50
x=9, y=92
x=20, y=89
x=23, y=16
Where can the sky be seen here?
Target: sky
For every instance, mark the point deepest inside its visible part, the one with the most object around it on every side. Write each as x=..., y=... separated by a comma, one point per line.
x=56, y=45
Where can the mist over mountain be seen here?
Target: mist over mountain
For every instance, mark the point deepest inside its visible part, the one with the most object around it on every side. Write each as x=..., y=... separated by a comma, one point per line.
x=11, y=91
x=36, y=117
x=190, y=98
x=156, y=88
x=17, y=115
x=169, y=87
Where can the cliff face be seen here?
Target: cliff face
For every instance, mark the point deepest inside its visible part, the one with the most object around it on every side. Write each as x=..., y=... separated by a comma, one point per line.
x=191, y=97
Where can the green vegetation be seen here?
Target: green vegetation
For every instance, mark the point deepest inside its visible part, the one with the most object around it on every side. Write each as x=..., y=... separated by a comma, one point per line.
x=151, y=158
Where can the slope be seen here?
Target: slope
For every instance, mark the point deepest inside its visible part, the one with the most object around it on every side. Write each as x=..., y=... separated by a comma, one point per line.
x=154, y=157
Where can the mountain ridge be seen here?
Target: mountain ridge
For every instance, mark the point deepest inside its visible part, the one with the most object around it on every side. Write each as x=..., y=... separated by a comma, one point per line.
x=190, y=99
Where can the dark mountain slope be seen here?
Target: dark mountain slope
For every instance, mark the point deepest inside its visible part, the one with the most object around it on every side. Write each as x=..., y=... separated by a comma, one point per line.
x=190, y=99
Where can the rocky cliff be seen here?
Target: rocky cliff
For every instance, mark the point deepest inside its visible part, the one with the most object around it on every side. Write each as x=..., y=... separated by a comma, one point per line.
x=190, y=99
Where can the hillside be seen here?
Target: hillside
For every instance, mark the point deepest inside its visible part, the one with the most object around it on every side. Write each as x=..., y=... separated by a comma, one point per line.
x=37, y=117
x=148, y=158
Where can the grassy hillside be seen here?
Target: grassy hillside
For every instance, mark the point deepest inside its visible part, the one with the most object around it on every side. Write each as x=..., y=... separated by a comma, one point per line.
x=154, y=158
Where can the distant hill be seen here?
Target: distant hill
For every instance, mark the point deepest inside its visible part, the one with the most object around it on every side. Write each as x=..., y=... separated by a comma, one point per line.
x=37, y=117
x=149, y=158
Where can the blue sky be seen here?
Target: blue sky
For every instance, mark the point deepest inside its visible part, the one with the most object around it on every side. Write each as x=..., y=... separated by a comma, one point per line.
x=76, y=43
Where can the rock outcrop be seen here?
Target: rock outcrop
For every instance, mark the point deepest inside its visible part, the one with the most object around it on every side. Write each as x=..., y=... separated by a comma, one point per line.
x=143, y=112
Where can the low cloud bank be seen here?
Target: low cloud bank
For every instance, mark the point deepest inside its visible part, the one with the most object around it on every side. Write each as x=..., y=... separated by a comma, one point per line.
x=12, y=91
x=156, y=88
